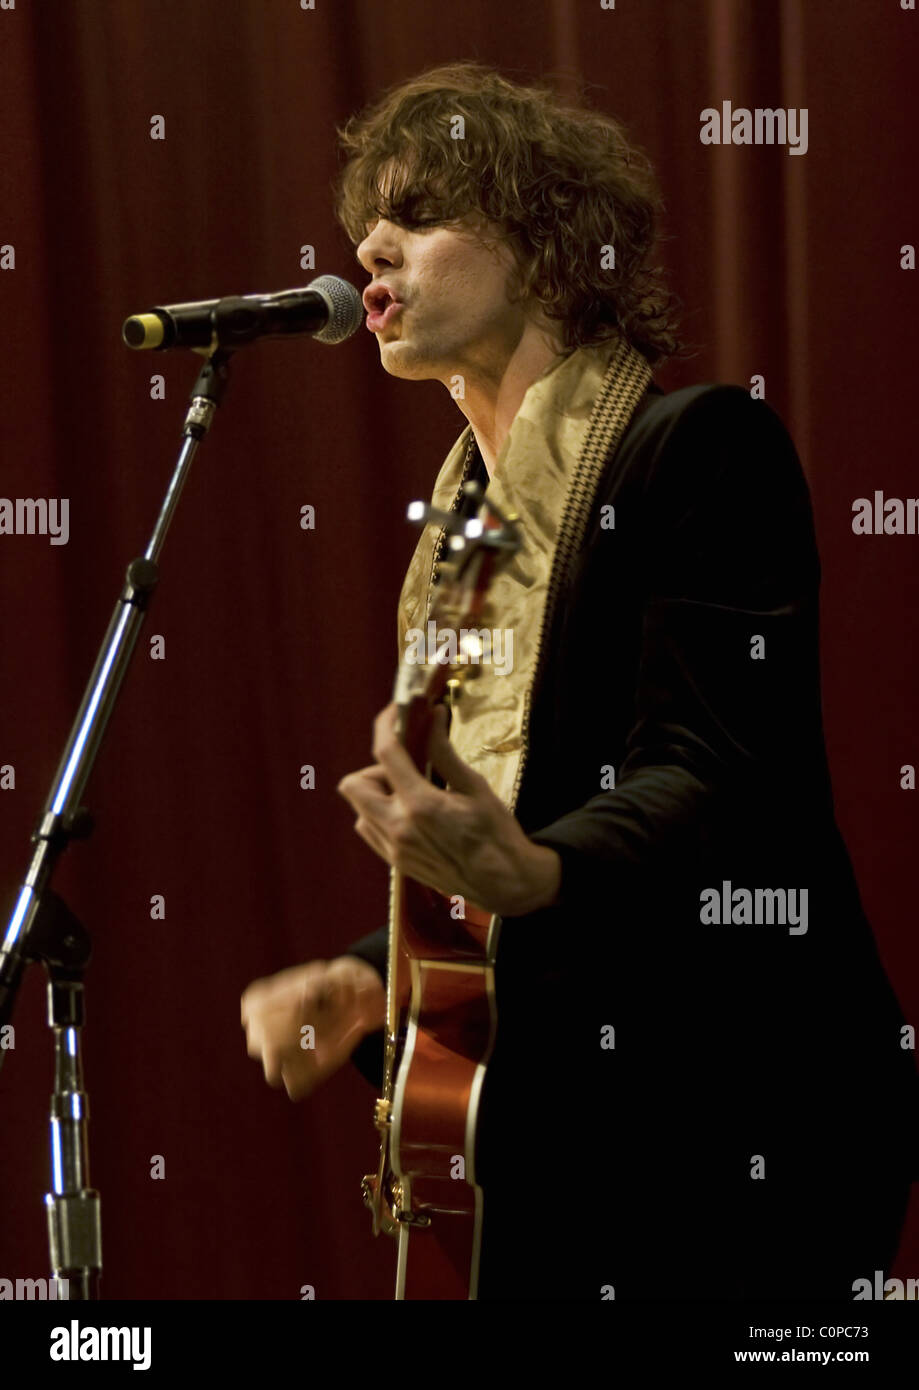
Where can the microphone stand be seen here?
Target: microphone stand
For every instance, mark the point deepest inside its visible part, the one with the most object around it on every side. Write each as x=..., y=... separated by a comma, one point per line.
x=42, y=928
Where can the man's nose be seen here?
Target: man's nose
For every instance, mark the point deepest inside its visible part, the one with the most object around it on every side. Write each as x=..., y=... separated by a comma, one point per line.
x=380, y=248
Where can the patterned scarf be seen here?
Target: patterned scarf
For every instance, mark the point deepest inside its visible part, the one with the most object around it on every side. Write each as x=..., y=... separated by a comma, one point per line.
x=570, y=422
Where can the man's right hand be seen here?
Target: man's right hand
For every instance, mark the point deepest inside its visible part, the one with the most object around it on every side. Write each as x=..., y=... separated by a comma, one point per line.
x=342, y=1000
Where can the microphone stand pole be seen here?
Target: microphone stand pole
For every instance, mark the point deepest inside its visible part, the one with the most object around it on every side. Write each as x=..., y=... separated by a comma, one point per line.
x=42, y=928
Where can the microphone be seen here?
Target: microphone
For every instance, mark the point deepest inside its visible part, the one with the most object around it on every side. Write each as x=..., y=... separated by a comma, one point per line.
x=329, y=309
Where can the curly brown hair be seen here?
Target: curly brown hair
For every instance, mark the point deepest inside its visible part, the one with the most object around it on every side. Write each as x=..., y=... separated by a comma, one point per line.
x=562, y=183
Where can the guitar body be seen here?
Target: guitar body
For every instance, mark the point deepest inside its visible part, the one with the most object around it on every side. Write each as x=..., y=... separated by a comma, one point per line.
x=449, y=1035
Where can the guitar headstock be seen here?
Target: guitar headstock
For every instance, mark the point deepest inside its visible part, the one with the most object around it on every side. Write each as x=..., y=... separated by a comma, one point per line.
x=480, y=539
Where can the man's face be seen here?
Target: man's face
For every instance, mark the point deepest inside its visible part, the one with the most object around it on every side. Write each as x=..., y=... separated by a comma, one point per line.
x=452, y=285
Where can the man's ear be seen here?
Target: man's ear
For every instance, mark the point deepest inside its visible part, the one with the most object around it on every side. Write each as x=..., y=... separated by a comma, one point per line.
x=521, y=287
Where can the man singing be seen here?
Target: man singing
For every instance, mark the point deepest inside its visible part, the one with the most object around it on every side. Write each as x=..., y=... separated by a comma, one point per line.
x=700, y=1086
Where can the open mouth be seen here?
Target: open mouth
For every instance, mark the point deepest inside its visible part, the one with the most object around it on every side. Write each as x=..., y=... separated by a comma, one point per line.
x=383, y=307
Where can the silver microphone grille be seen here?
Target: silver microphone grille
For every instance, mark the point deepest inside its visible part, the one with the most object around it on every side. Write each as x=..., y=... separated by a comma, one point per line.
x=345, y=308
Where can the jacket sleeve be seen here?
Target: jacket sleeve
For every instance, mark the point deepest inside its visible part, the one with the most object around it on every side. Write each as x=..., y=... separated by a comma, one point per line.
x=728, y=680
x=368, y=1055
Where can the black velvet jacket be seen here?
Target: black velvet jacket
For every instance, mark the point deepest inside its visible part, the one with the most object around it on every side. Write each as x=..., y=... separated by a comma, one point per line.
x=748, y=1127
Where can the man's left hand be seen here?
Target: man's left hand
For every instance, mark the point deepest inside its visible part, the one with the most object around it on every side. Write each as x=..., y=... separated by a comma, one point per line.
x=462, y=840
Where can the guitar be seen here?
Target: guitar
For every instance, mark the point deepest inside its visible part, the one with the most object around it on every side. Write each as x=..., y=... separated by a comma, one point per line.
x=441, y=960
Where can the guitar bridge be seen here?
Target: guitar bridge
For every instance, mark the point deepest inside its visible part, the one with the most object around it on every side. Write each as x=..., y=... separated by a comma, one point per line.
x=390, y=1214
x=404, y=1215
